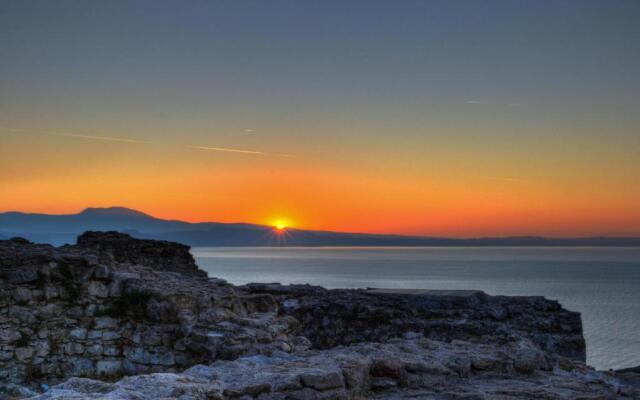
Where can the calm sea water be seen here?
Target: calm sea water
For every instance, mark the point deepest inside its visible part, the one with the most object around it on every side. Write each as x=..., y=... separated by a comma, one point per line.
x=601, y=283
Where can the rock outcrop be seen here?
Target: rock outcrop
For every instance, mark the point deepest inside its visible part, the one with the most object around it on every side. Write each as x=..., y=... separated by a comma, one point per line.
x=120, y=307
x=338, y=317
x=414, y=367
x=119, y=318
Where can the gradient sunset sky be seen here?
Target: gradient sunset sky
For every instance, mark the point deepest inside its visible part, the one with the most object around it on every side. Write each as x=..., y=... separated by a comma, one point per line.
x=448, y=118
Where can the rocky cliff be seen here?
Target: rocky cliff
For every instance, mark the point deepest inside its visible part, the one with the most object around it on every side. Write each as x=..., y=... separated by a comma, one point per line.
x=113, y=306
x=119, y=318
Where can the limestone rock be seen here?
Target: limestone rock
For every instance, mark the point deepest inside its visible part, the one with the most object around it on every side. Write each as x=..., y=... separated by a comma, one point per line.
x=113, y=306
x=359, y=371
x=337, y=317
x=108, y=368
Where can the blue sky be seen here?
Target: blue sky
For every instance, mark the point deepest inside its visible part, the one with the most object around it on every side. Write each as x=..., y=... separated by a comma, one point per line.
x=431, y=91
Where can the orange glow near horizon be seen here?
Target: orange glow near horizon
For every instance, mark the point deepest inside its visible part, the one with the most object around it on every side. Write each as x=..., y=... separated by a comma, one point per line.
x=341, y=200
x=562, y=196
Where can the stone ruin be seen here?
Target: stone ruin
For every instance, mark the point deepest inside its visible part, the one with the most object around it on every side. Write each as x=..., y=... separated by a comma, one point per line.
x=122, y=318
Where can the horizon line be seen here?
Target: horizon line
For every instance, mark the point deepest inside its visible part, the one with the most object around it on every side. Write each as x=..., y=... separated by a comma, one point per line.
x=404, y=235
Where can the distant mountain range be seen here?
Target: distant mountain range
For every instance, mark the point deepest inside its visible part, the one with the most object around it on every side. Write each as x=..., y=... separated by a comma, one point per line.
x=60, y=229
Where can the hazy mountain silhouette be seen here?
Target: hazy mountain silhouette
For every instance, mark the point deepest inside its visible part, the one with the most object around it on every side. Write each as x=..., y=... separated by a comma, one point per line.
x=60, y=229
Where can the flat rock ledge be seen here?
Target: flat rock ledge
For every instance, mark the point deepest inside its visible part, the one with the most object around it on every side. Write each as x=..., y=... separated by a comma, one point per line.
x=114, y=317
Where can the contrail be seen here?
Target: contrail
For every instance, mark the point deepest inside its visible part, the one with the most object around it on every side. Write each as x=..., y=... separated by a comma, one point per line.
x=75, y=135
x=253, y=152
x=138, y=141
x=227, y=150
x=109, y=138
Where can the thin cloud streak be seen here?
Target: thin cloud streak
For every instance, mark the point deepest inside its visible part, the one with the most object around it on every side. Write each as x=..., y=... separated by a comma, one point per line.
x=108, y=138
x=227, y=150
x=241, y=151
x=75, y=135
x=137, y=141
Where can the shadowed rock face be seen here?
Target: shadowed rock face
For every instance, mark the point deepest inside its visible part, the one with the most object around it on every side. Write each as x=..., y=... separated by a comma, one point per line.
x=167, y=256
x=340, y=317
x=113, y=306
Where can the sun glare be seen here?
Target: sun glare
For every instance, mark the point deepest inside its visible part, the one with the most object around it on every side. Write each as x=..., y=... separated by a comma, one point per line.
x=280, y=225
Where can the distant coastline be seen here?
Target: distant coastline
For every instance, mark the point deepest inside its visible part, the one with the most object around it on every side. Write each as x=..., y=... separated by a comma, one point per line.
x=63, y=229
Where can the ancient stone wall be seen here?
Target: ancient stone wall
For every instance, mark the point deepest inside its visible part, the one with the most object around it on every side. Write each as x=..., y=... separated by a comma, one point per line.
x=89, y=311
x=162, y=255
x=113, y=305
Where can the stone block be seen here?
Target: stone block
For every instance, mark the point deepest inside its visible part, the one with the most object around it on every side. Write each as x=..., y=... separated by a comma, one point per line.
x=82, y=367
x=111, y=351
x=23, y=353
x=110, y=335
x=22, y=295
x=109, y=367
x=95, y=349
x=151, y=338
x=137, y=355
x=78, y=334
x=106, y=323
x=94, y=334
x=9, y=335
x=20, y=276
x=51, y=292
x=166, y=358
x=74, y=348
x=98, y=289
x=42, y=348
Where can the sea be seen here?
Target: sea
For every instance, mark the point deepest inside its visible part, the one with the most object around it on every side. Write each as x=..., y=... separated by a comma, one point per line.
x=602, y=283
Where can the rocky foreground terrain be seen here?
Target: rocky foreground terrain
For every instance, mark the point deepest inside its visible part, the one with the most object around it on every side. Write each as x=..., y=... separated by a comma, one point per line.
x=119, y=318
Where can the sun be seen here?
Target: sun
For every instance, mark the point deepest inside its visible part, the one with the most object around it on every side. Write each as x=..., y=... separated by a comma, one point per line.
x=280, y=225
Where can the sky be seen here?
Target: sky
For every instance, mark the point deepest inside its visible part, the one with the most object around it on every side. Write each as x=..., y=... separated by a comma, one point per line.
x=445, y=118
